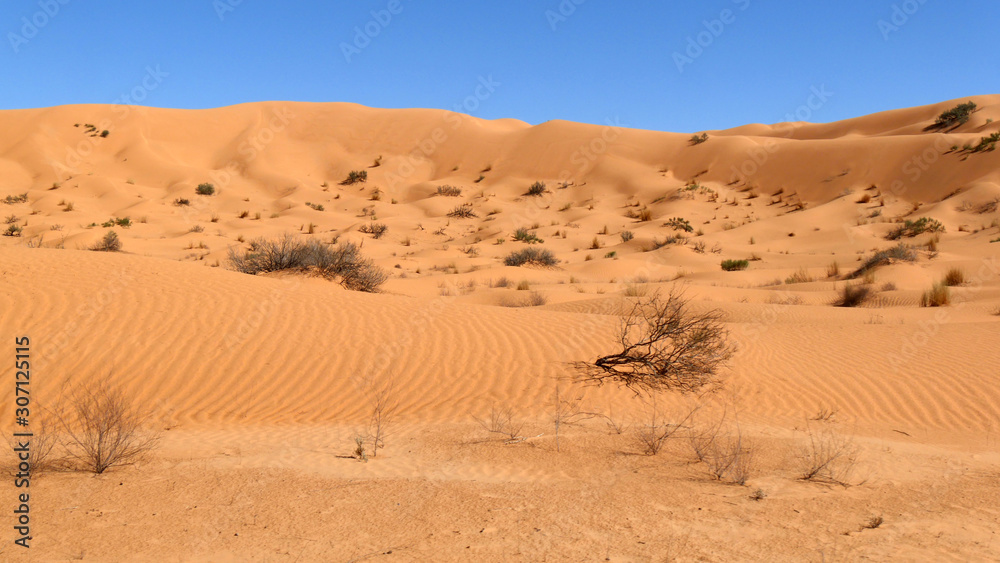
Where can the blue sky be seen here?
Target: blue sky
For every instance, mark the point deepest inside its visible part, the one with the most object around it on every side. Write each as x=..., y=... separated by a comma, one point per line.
x=674, y=66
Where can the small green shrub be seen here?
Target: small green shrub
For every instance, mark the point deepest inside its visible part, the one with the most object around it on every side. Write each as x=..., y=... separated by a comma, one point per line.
x=12, y=199
x=627, y=236
x=13, y=230
x=524, y=235
x=915, y=227
x=900, y=252
x=698, y=139
x=205, y=189
x=355, y=176
x=957, y=115
x=732, y=265
x=679, y=224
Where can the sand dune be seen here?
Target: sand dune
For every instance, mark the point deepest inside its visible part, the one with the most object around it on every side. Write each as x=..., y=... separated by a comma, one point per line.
x=257, y=381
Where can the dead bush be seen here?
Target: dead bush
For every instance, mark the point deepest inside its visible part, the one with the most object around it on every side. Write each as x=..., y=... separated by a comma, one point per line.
x=829, y=457
x=853, y=295
x=41, y=448
x=104, y=427
x=654, y=431
x=663, y=346
x=724, y=449
x=376, y=230
x=502, y=421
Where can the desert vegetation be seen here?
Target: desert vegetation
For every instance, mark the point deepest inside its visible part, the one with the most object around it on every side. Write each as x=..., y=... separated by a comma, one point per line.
x=734, y=265
x=342, y=261
x=104, y=427
x=355, y=177
x=536, y=189
x=912, y=228
x=662, y=344
x=958, y=115
x=531, y=256
x=109, y=243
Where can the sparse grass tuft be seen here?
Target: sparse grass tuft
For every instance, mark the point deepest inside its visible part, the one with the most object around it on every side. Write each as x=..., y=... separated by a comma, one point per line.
x=853, y=295
x=954, y=277
x=937, y=296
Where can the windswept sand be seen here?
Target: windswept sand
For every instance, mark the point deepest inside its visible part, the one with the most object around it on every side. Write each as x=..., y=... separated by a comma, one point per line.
x=255, y=380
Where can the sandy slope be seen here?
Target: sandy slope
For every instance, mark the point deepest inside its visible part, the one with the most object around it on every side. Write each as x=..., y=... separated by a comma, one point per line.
x=256, y=381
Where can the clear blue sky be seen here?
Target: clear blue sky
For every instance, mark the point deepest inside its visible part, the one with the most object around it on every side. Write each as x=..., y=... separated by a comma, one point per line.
x=600, y=60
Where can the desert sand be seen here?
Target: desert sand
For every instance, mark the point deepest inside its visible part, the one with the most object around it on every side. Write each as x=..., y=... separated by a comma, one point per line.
x=255, y=382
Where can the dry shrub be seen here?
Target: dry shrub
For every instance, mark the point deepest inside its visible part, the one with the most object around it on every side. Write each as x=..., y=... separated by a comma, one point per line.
x=663, y=346
x=463, y=211
x=654, y=432
x=833, y=270
x=853, y=295
x=502, y=421
x=382, y=404
x=342, y=261
x=104, y=427
x=954, y=277
x=110, y=243
x=376, y=230
x=537, y=256
x=725, y=450
x=449, y=191
x=801, y=276
x=533, y=299
x=937, y=296
x=41, y=447
x=829, y=457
